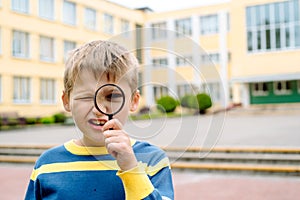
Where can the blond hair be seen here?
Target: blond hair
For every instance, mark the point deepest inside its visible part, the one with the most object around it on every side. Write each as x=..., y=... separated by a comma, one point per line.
x=102, y=58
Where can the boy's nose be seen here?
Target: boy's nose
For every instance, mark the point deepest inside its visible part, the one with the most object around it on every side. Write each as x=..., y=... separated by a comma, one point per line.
x=97, y=112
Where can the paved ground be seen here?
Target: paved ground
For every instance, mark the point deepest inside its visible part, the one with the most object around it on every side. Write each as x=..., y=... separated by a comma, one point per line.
x=263, y=130
x=269, y=130
x=188, y=185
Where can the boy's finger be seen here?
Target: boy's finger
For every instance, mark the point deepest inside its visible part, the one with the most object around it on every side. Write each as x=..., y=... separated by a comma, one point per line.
x=113, y=124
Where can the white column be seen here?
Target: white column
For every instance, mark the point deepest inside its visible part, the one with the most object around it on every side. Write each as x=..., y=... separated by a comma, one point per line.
x=223, y=57
x=147, y=84
x=171, y=57
x=245, y=94
x=196, y=54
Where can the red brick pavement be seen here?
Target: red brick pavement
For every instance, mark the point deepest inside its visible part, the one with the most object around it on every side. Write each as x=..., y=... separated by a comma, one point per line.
x=188, y=185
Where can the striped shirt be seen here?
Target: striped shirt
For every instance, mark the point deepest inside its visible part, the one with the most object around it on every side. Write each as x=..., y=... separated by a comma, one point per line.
x=70, y=171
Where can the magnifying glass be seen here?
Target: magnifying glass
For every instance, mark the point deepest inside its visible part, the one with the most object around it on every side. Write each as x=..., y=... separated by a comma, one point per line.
x=109, y=99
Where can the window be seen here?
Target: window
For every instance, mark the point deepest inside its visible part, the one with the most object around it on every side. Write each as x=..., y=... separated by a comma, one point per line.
x=68, y=46
x=46, y=9
x=183, y=27
x=48, y=91
x=159, y=30
x=260, y=89
x=184, y=61
x=273, y=26
x=125, y=28
x=46, y=49
x=209, y=24
x=90, y=17
x=184, y=90
x=69, y=13
x=282, y=87
x=160, y=91
x=214, y=91
x=21, y=90
x=210, y=58
x=108, y=25
x=160, y=62
x=21, y=6
x=20, y=46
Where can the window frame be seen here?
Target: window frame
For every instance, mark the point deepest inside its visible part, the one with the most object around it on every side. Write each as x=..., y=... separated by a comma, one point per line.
x=67, y=18
x=20, y=44
x=47, y=9
x=108, y=23
x=260, y=91
x=183, y=27
x=284, y=86
x=273, y=27
x=90, y=18
x=21, y=90
x=20, y=6
x=209, y=24
x=47, y=49
x=48, y=91
x=159, y=30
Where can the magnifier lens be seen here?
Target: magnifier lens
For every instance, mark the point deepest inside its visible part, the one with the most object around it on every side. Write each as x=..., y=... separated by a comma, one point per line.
x=109, y=99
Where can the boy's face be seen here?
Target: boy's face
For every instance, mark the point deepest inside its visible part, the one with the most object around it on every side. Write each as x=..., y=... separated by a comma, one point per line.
x=81, y=104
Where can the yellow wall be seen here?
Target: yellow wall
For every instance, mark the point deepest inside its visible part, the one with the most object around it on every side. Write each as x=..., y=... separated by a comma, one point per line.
x=242, y=63
x=36, y=69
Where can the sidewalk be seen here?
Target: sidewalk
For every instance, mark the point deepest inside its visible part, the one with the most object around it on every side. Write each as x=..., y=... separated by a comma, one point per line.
x=188, y=185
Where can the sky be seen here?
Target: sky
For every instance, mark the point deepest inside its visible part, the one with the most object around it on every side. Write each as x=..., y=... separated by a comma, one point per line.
x=166, y=5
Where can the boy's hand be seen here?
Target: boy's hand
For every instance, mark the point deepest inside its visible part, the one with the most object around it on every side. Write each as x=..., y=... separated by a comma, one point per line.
x=118, y=145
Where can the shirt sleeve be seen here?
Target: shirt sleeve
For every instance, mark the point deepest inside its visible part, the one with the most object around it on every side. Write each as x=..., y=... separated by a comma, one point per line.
x=33, y=189
x=142, y=182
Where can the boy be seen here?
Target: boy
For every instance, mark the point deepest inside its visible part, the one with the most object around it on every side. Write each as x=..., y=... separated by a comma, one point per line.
x=104, y=163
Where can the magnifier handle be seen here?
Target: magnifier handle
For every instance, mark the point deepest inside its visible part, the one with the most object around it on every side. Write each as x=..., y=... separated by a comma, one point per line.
x=110, y=117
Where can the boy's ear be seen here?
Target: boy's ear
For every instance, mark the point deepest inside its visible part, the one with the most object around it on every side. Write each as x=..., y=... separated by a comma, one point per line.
x=135, y=101
x=66, y=102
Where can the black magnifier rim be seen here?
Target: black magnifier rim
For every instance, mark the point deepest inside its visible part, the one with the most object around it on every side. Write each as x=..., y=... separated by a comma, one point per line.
x=95, y=99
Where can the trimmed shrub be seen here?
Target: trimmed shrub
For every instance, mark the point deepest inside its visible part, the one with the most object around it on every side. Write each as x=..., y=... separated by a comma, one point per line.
x=47, y=120
x=204, y=102
x=31, y=120
x=189, y=101
x=59, y=118
x=166, y=104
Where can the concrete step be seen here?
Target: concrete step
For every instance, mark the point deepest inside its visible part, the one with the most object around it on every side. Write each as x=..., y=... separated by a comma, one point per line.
x=241, y=160
x=17, y=159
x=267, y=158
x=222, y=159
x=21, y=153
x=234, y=167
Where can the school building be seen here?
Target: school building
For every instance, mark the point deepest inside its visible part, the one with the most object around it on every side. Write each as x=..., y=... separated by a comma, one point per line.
x=240, y=51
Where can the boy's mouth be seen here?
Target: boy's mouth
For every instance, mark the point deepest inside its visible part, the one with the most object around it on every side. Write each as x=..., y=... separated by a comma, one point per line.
x=98, y=122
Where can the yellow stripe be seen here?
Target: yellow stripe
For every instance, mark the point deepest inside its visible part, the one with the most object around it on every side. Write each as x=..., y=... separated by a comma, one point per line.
x=72, y=147
x=92, y=166
x=152, y=170
x=74, y=166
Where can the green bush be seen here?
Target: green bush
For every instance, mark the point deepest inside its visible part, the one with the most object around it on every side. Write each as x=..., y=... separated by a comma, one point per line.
x=11, y=121
x=166, y=104
x=204, y=102
x=189, y=101
x=47, y=120
x=31, y=120
x=59, y=118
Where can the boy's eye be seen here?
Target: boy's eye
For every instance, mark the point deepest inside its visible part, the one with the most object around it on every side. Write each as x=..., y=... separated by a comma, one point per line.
x=113, y=96
x=84, y=98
